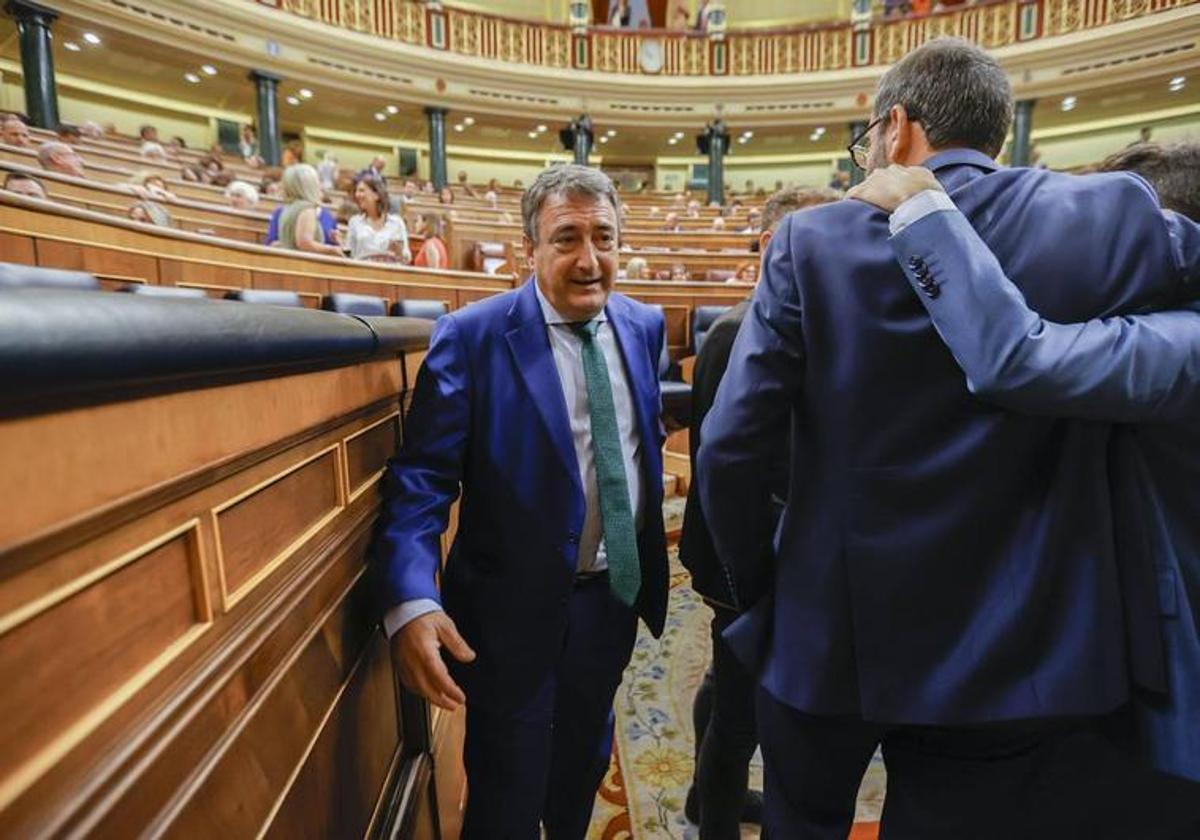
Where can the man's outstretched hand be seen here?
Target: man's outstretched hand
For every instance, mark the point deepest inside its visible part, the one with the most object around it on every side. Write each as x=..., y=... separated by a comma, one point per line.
x=890, y=187
x=416, y=651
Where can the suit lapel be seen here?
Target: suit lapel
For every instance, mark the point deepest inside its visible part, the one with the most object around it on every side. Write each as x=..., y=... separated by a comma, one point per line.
x=530, y=347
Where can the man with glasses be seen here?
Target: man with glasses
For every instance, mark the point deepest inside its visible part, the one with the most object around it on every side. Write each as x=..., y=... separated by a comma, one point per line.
x=943, y=581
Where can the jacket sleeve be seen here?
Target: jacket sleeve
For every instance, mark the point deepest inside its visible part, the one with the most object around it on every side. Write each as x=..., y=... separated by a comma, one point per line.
x=1119, y=369
x=422, y=480
x=746, y=428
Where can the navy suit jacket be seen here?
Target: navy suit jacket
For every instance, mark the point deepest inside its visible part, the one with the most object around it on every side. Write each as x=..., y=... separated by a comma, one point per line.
x=939, y=561
x=1143, y=369
x=488, y=413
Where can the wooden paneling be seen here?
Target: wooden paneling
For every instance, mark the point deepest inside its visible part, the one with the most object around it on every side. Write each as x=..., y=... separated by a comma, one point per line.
x=181, y=273
x=367, y=452
x=337, y=788
x=258, y=529
x=151, y=441
x=81, y=646
x=17, y=249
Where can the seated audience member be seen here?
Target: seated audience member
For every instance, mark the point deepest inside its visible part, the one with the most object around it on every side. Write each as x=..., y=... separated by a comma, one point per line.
x=248, y=143
x=753, y=221
x=69, y=133
x=693, y=209
x=679, y=202
x=492, y=200
x=193, y=173
x=300, y=226
x=376, y=233
x=840, y=181
x=346, y=210
x=148, y=212
x=177, y=144
x=446, y=196
x=671, y=223
x=293, y=153
x=747, y=272
x=14, y=131
x=433, y=253
x=272, y=185
x=56, y=156
x=427, y=188
x=212, y=166
x=519, y=184
x=654, y=211
x=241, y=195
x=91, y=130
x=410, y=192
x=718, y=224
x=22, y=184
x=150, y=185
x=636, y=268
x=494, y=185
x=679, y=273
x=376, y=169
x=327, y=170
x=465, y=187
x=148, y=133
x=153, y=151
x=222, y=179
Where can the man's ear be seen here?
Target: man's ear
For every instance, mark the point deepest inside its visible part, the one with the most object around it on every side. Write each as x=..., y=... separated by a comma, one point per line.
x=527, y=245
x=899, y=135
x=764, y=239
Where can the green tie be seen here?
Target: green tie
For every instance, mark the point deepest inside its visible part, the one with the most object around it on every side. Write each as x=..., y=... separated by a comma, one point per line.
x=620, y=539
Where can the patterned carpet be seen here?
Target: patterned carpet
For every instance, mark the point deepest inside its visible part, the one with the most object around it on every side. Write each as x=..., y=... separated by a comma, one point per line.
x=643, y=794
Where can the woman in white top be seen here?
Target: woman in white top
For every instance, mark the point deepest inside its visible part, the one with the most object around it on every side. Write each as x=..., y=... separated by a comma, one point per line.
x=376, y=233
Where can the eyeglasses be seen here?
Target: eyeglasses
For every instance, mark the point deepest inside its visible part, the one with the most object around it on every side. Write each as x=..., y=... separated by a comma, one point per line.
x=860, y=146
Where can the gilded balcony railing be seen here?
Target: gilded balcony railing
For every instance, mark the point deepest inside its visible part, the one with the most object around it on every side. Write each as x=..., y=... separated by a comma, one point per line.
x=803, y=49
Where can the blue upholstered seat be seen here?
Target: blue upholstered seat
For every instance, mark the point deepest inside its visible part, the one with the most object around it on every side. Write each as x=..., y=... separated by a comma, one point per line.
x=163, y=291
x=16, y=276
x=271, y=297
x=703, y=318
x=430, y=309
x=352, y=304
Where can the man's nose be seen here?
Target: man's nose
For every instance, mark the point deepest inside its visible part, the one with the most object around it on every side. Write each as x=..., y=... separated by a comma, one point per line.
x=587, y=259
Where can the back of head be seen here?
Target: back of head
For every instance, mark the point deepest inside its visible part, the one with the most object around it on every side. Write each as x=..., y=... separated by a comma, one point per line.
x=1173, y=171
x=301, y=183
x=957, y=92
x=50, y=150
x=793, y=198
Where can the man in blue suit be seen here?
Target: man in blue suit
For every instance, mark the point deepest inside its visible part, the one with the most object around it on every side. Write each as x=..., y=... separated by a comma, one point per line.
x=543, y=405
x=1140, y=369
x=944, y=580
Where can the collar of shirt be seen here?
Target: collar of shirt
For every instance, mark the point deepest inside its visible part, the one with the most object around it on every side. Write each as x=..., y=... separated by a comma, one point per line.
x=551, y=315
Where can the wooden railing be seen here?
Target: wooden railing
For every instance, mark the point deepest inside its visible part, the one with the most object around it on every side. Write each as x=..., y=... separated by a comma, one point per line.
x=802, y=49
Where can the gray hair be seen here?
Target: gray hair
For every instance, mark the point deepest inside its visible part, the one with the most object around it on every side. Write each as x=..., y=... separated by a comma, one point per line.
x=958, y=93
x=47, y=151
x=565, y=179
x=246, y=191
x=301, y=183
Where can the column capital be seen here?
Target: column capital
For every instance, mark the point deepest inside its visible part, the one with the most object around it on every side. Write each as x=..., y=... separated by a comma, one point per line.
x=27, y=10
x=436, y=110
x=265, y=75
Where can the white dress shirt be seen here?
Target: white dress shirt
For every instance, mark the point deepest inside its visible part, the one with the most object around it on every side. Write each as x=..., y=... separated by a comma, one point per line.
x=567, y=347
x=363, y=240
x=913, y=209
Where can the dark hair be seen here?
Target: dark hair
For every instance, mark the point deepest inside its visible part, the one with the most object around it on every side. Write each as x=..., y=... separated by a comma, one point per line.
x=565, y=179
x=1173, y=170
x=144, y=129
x=67, y=130
x=377, y=186
x=793, y=198
x=958, y=93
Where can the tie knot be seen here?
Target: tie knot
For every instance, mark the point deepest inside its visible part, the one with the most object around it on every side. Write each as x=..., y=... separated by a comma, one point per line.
x=586, y=329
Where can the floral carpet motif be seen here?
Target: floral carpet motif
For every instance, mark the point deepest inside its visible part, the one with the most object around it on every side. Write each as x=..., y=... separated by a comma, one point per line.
x=643, y=793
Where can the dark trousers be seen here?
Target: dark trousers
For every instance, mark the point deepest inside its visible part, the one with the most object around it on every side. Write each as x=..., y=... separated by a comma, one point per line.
x=726, y=737
x=1031, y=780
x=542, y=763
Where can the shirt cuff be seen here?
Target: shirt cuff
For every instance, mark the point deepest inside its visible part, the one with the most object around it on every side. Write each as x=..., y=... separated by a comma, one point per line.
x=914, y=209
x=401, y=614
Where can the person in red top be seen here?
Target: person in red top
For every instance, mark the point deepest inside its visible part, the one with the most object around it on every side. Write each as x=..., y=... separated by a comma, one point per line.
x=433, y=253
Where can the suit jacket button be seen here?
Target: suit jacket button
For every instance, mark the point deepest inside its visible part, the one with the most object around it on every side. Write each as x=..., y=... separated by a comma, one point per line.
x=932, y=290
x=916, y=262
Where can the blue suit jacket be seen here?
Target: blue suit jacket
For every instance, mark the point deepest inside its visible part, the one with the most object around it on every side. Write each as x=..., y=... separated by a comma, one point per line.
x=939, y=561
x=1143, y=369
x=488, y=412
